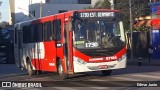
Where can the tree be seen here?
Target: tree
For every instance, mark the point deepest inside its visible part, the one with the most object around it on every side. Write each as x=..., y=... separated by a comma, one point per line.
x=4, y=24
x=101, y=5
x=139, y=8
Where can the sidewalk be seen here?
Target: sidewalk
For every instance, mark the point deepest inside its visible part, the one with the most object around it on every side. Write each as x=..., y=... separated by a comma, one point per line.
x=144, y=61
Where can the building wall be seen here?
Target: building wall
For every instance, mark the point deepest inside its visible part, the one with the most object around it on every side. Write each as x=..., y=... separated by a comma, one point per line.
x=17, y=14
x=19, y=9
x=63, y=1
x=50, y=9
x=36, y=1
x=12, y=11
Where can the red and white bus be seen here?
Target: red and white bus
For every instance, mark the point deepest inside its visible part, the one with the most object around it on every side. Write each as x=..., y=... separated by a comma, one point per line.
x=71, y=42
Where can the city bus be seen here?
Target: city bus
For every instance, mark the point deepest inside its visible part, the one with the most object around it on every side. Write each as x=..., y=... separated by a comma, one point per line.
x=71, y=42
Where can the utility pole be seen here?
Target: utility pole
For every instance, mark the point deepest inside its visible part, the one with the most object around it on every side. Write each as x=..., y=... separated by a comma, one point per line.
x=131, y=28
x=41, y=9
x=112, y=4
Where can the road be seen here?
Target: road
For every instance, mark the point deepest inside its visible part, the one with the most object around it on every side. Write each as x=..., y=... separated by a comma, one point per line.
x=120, y=79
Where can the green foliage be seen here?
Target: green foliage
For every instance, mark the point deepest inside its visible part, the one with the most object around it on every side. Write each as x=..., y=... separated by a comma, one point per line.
x=139, y=8
x=4, y=24
x=142, y=28
x=101, y=5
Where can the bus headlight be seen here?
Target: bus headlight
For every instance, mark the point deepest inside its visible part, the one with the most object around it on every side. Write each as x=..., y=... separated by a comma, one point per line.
x=79, y=61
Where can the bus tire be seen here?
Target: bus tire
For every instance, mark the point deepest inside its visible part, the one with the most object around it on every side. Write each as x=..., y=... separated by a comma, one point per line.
x=61, y=73
x=39, y=72
x=30, y=70
x=106, y=72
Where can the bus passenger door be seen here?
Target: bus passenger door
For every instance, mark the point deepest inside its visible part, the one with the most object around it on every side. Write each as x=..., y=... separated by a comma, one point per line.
x=18, y=47
x=67, y=48
x=16, y=53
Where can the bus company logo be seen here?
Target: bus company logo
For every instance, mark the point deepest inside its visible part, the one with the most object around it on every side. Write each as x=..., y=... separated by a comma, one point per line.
x=111, y=58
x=105, y=58
x=6, y=84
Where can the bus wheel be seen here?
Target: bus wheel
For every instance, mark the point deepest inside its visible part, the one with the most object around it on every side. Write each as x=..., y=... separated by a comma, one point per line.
x=61, y=73
x=30, y=70
x=106, y=72
x=39, y=72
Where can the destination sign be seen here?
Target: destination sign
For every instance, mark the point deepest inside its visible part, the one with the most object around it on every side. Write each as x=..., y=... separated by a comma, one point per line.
x=96, y=14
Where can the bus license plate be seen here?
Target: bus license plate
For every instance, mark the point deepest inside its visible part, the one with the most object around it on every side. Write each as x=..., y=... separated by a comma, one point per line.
x=102, y=66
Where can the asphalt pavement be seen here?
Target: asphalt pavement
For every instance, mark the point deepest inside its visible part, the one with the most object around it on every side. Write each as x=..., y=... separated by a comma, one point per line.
x=12, y=69
x=133, y=72
x=143, y=62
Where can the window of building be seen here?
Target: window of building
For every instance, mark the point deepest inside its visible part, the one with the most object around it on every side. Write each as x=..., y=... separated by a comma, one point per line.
x=48, y=1
x=84, y=1
x=61, y=11
x=34, y=13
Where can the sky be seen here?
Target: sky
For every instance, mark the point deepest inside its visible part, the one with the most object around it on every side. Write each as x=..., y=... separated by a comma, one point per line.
x=4, y=9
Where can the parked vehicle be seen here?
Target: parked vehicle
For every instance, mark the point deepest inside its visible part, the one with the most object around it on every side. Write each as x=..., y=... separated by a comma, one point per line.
x=6, y=46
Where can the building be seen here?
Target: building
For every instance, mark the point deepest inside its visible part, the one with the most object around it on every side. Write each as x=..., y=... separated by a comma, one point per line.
x=22, y=10
x=19, y=10
x=56, y=6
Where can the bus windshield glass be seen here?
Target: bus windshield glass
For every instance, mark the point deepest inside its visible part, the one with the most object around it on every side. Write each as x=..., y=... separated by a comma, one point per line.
x=96, y=33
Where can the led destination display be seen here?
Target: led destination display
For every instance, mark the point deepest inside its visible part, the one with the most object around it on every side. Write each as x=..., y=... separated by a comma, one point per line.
x=96, y=14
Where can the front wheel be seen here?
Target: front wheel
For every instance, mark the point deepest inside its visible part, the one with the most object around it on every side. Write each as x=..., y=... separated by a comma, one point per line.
x=106, y=72
x=61, y=73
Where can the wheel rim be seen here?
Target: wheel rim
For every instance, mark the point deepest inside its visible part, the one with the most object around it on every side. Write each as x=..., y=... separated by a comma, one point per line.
x=29, y=69
x=60, y=69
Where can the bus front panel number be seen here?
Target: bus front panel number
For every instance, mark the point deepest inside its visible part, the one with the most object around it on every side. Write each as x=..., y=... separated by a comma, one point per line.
x=92, y=44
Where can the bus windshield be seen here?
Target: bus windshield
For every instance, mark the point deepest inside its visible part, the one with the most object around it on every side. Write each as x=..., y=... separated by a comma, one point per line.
x=95, y=33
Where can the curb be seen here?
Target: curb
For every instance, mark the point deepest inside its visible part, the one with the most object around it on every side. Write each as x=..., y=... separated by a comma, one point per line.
x=145, y=62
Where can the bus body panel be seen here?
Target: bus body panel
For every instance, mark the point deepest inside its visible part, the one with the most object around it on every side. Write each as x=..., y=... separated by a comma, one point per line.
x=83, y=63
x=87, y=67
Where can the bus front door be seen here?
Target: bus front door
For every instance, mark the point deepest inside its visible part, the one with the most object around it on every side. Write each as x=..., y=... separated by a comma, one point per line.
x=68, y=47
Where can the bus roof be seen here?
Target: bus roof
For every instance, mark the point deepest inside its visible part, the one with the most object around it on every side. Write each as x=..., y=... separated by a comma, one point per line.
x=83, y=10
x=99, y=10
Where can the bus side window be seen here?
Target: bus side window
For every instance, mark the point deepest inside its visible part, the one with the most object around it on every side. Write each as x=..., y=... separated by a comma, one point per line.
x=31, y=31
x=35, y=33
x=47, y=31
x=25, y=34
x=15, y=35
x=52, y=27
x=40, y=32
x=57, y=29
x=28, y=35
